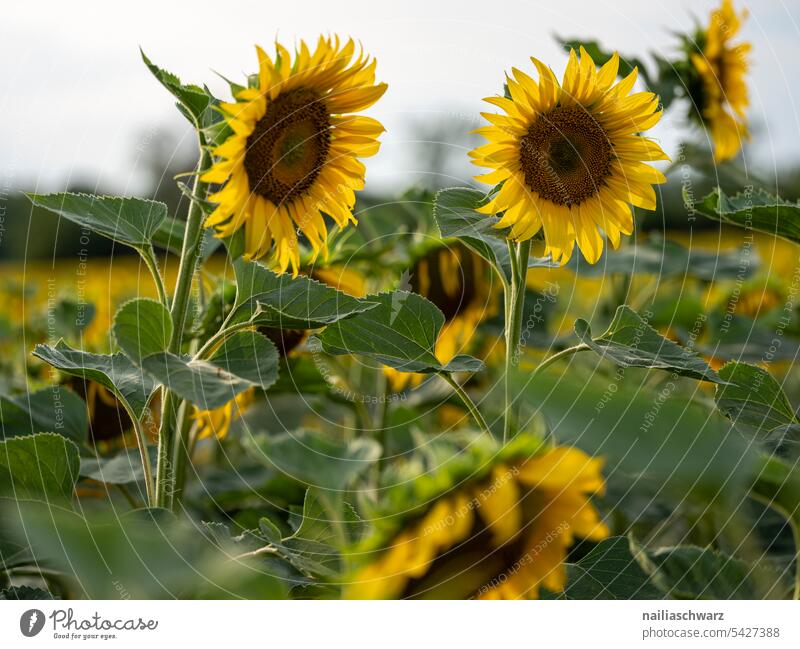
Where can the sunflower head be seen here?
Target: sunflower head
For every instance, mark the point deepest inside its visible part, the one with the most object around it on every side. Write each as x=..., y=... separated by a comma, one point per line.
x=493, y=526
x=287, y=341
x=457, y=281
x=108, y=420
x=217, y=422
x=294, y=150
x=717, y=85
x=756, y=298
x=570, y=156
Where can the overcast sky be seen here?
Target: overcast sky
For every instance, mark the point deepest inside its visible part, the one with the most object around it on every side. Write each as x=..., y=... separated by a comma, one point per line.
x=77, y=102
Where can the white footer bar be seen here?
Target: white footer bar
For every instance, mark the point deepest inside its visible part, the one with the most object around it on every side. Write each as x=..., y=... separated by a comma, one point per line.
x=390, y=625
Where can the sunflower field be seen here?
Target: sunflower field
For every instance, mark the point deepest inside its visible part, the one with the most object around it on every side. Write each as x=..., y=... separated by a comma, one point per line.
x=552, y=382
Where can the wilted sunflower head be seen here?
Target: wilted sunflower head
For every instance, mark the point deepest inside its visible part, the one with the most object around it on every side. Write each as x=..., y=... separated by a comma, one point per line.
x=294, y=151
x=499, y=532
x=718, y=88
x=570, y=156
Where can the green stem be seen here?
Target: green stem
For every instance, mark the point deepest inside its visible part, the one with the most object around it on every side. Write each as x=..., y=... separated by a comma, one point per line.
x=569, y=351
x=514, y=304
x=165, y=475
x=363, y=417
x=141, y=442
x=35, y=572
x=382, y=408
x=166, y=478
x=189, y=254
x=182, y=458
x=467, y=401
x=220, y=337
x=513, y=253
x=149, y=258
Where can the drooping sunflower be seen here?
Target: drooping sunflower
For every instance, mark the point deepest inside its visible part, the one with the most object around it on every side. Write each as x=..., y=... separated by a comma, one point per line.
x=570, y=156
x=718, y=88
x=457, y=281
x=500, y=534
x=295, y=149
x=107, y=418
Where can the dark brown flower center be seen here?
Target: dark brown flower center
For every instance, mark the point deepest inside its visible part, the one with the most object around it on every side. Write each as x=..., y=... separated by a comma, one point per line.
x=448, y=277
x=289, y=146
x=565, y=156
x=286, y=340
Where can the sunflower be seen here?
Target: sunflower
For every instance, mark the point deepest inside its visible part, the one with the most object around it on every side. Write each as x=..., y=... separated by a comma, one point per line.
x=217, y=422
x=294, y=151
x=503, y=535
x=718, y=88
x=456, y=280
x=107, y=418
x=757, y=300
x=569, y=156
x=753, y=299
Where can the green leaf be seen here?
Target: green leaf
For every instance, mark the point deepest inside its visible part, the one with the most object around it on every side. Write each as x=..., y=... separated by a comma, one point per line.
x=753, y=399
x=325, y=518
x=169, y=236
x=311, y=559
x=745, y=339
x=24, y=592
x=246, y=359
x=115, y=372
x=314, y=522
x=14, y=551
x=777, y=484
x=599, y=55
x=192, y=100
x=660, y=443
x=456, y=216
x=51, y=410
x=316, y=460
x=667, y=259
x=754, y=210
x=142, y=327
x=125, y=467
x=286, y=302
x=609, y=571
x=72, y=316
x=146, y=554
x=38, y=467
x=400, y=332
x=264, y=543
x=688, y=572
x=631, y=342
x=132, y=221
